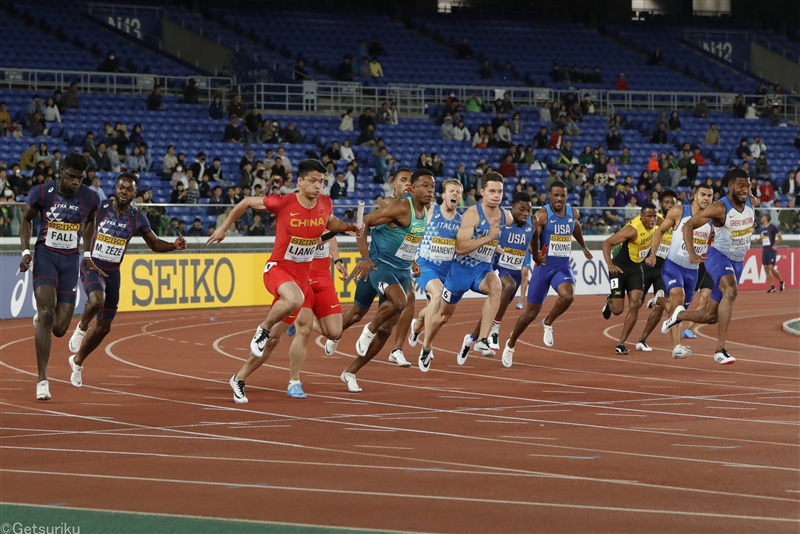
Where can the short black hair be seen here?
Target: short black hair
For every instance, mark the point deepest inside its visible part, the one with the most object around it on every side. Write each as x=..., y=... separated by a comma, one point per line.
x=130, y=176
x=557, y=183
x=703, y=186
x=401, y=169
x=668, y=193
x=768, y=216
x=520, y=196
x=735, y=174
x=76, y=161
x=648, y=206
x=419, y=173
x=309, y=165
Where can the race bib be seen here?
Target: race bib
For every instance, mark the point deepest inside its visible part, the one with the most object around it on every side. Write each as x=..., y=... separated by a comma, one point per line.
x=442, y=249
x=485, y=253
x=63, y=236
x=765, y=241
x=644, y=252
x=511, y=259
x=663, y=249
x=322, y=251
x=740, y=240
x=109, y=248
x=560, y=246
x=301, y=250
x=408, y=248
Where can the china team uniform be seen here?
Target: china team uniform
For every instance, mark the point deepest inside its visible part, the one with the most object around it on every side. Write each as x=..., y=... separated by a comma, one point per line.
x=57, y=252
x=731, y=243
x=768, y=253
x=438, y=247
x=112, y=234
x=298, y=230
x=678, y=271
x=514, y=241
x=468, y=270
x=630, y=259
x=321, y=297
x=557, y=235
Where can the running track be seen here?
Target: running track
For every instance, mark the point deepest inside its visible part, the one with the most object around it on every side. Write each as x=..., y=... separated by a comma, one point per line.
x=572, y=439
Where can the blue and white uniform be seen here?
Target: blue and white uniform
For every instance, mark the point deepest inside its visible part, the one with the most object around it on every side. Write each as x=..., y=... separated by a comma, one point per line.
x=557, y=235
x=438, y=247
x=731, y=243
x=468, y=270
x=514, y=241
x=677, y=270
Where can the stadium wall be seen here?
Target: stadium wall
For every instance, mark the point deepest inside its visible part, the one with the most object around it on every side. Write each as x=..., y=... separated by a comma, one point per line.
x=774, y=67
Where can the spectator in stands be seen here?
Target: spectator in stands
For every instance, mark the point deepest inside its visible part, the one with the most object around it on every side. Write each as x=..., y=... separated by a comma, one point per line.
x=758, y=147
x=215, y=171
x=556, y=140
x=641, y=194
x=300, y=72
x=660, y=135
x=154, y=99
x=51, y=114
x=197, y=229
x=611, y=168
x=586, y=157
x=587, y=106
x=698, y=156
x=506, y=105
x=35, y=107
x=72, y=98
x=507, y=168
x=574, y=112
x=674, y=122
x=375, y=47
x=287, y=163
x=366, y=119
x=504, y=135
x=613, y=140
x=739, y=107
x=448, y=130
x=346, y=152
x=339, y=187
x=217, y=202
x=292, y=135
x=215, y=110
x=662, y=119
x=278, y=169
x=566, y=155
x=507, y=73
x=762, y=167
x=346, y=125
x=541, y=139
x=384, y=116
x=334, y=152
x=437, y=164
x=102, y=159
x=36, y=126
x=701, y=109
x=110, y=64
x=5, y=119
x=712, y=135
x=464, y=50
x=193, y=192
x=621, y=84
x=544, y=113
x=233, y=133
x=791, y=185
x=393, y=115
x=743, y=151
x=655, y=57
x=344, y=72
x=485, y=72
x=588, y=194
x=191, y=94
x=460, y=132
x=375, y=69
x=136, y=161
x=179, y=177
x=364, y=70
x=480, y=139
x=43, y=155
x=367, y=137
x=235, y=108
x=114, y=158
x=252, y=126
x=288, y=187
x=788, y=218
x=269, y=132
x=246, y=175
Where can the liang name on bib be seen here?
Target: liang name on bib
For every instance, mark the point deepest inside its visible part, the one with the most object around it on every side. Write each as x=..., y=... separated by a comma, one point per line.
x=301, y=250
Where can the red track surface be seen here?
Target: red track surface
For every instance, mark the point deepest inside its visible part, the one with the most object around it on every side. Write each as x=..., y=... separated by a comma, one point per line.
x=571, y=439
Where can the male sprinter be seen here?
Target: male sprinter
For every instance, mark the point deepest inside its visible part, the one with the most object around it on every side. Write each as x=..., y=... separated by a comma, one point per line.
x=770, y=239
x=437, y=250
x=115, y=223
x=702, y=292
x=301, y=219
x=626, y=271
x=63, y=206
x=733, y=219
x=554, y=225
x=514, y=241
x=476, y=244
x=527, y=268
x=679, y=274
x=386, y=264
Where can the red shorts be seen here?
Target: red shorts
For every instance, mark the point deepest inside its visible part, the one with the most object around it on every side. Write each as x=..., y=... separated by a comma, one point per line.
x=321, y=296
x=275, y=275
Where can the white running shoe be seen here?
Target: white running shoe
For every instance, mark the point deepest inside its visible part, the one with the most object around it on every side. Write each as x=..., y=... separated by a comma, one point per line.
x=721, y=357
x=508, y=356
x=466, y=346
x=653, y=301
x=350, y=380
x=424, y=361
x=75, y=377
x=364, y=340
x=397, y=357
x=494, y=337
x=644, y=347
x=413, y=336
x=548, y=334
x=259, y=341
x=36, y=319
x=482, y=346
x=43, y=390
x=680, y=352
x=330, y=346
x=77, y=339
x=238, y=390
x=672, y=320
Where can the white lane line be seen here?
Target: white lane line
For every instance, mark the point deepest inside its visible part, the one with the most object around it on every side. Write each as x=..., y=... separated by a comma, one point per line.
x=528, y=437
x=621, y=415
x=565, y=457
x=668, y=404
x=385, y=447
x=716, y=447
x=726, y=408
x=542, y=411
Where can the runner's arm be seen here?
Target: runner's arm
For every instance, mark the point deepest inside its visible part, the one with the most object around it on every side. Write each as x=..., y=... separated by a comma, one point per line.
x=464, y=242
x=159, y=245
x=577, y=233
x=658, y=235
x=778, y=240
x=338, y=226
x=628, y=233
x=715, y=213
x=396, y=212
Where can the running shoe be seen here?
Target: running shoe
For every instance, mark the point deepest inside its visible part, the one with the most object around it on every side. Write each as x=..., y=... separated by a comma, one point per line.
x=466, y=346
x=238, y=390
x=76, y=340
x=672, y=320
x=644, y=347
x=413, y=336
x=622, y=349
x=75, y=377
x=482, y=346
x=688, y=334
x=520, y=305
x=291, y=331
x=783, y=285
x=681, y=352
x=295, y=391
x=723, y=358
x=508, y=356
x=548, y=334
x=425, y=357
x=259, y=341
x=330, y=346
x=607, y=309
x=350, y=380
x=43, y=390
x=364, y=340
x=397, y=357
x=494, y=337
x=771, y=289
x=654, y=301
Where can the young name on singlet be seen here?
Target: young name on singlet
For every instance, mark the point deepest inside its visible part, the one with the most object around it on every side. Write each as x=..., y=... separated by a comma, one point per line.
x=61, y=235
x=301, y=250
x=108, y=248
x=560, y=246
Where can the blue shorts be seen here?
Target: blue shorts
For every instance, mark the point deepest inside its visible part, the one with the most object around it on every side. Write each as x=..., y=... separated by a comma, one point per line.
x=379, y=279
x=674, y=276
x=528, y=261
x=428, y=272
x=546, y=276
x=58, y=270
x=719, y=265
x=768, y=256
x=110, y=286
x=463, y=278
x=515, y=275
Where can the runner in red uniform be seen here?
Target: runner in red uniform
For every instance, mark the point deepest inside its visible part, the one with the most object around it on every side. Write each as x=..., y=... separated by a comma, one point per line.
x=302, y=217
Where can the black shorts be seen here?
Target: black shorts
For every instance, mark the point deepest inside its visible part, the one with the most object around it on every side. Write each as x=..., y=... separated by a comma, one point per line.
x=631, y=278
x=704, y=280
x=652, y=276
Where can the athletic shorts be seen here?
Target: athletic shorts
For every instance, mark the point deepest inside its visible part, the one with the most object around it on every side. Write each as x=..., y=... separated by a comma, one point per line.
x=428, y=272
x=275, y=275
x=703, y=279
x=719, y=265
x=631, y=279
x=546, y=276
x=57, y=270
x=652, y=276
x=108, y=285
x=462, y=278
x=378, y=281
x=768, y=256
x=515, y=275
x=321, y=296
x=674, y=276
x=528, y=261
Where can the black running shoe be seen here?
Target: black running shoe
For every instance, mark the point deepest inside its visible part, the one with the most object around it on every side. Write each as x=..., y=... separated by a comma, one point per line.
x=607, y=309
x=771, y=289
x=622, y=349
x=783, y=286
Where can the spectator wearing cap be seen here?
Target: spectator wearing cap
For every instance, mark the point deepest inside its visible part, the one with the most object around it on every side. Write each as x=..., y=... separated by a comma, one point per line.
x=621, y=84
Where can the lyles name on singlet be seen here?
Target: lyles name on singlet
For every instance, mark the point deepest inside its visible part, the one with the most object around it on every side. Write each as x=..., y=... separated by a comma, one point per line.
x=61, y=235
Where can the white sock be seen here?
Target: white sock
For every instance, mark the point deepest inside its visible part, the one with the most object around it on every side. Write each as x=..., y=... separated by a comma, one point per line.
x=294, y=382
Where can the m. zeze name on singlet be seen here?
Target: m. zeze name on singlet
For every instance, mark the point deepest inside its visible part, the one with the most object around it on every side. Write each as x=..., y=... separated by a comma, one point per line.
x=114, y=232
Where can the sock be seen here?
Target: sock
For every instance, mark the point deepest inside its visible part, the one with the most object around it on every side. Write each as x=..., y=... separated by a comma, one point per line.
x=294, y=382
x=495, y=326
